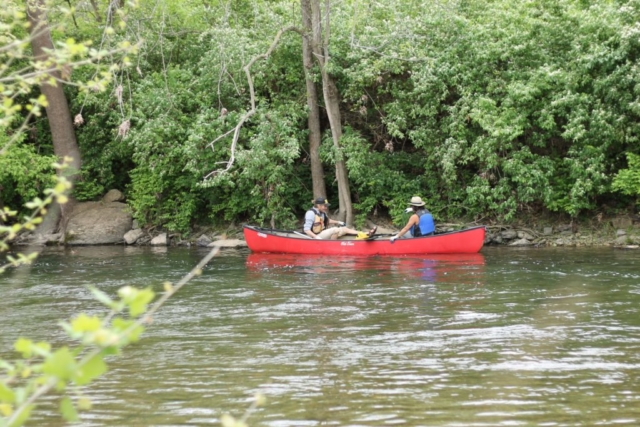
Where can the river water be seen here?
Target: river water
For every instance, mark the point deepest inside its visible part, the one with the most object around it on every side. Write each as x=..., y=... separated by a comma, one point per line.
x=507, y=337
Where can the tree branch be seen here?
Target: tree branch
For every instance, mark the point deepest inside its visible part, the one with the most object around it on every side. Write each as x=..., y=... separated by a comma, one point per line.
x=252, y=111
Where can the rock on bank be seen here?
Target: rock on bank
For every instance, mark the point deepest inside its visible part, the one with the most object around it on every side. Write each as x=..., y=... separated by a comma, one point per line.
x=98, y=223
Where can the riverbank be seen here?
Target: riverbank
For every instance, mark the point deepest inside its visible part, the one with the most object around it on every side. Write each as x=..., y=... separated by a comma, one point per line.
x=621, y=231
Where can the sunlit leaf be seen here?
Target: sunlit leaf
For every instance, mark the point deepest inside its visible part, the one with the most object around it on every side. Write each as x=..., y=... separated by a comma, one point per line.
x=6, y=394
x=92, y=369
x=84, y=323
x=6, y=410
x=24, y=346
x=67, y=409
x=61, y=364
x=140, y=302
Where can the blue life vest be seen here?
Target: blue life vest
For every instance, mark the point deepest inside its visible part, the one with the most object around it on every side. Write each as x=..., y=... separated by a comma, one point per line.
x=425, y=226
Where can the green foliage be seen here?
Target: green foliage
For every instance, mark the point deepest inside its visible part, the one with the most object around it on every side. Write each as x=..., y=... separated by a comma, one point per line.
x=38, y=208
x=21, y=72
x=485, y=109
x=522, y=104
x=264, y=165
x=41, y=369
x=178, y=117
x=106, y=157
x=24, y=174
x=627, y=181
x=378, y=180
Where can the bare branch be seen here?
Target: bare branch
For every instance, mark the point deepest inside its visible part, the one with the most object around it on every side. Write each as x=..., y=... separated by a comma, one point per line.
x=252, y=111
x=219, y=138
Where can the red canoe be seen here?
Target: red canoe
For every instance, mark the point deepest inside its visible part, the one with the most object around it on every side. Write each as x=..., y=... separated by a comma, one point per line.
x=465, y=241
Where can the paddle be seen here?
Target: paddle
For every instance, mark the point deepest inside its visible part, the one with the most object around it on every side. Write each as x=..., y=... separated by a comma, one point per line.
x=301, y=234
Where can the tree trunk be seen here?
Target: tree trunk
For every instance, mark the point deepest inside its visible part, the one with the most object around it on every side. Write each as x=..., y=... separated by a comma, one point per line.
x=58, y=114
x=96, y=11
x=332, y=103
x=315, y=135
x=320, y=47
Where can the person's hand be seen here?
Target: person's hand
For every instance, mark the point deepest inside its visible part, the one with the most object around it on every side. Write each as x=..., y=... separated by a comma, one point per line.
x=393, y=238
x=318, y=238
x=342, y=224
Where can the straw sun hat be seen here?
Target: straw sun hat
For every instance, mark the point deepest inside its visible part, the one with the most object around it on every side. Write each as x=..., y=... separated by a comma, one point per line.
x=416, y=201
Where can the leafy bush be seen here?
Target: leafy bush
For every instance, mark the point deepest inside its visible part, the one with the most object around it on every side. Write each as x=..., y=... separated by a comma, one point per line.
x=627, y=181
x=24, y=174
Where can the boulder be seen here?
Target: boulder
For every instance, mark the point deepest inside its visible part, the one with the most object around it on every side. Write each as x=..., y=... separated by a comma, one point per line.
x=563, y=242
x=113, y=196
x=132, y=236
x=203, y=240
x=98, y=223
x=159, y=240
x=520, y=242
x=509, y=234
x=524, y=235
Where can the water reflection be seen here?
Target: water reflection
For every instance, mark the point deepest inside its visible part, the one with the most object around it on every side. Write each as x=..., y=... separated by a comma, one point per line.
x=431, y=268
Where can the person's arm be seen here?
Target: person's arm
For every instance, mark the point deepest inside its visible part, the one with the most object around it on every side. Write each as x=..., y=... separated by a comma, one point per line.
x=412, y=221
x=340, y=223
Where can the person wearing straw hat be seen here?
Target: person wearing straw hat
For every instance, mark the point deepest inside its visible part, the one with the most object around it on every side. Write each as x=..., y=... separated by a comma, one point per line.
x=419, y=224
x=317, y=222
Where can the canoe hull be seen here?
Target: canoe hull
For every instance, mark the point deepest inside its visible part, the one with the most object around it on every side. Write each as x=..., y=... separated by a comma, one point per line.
x=455, y=242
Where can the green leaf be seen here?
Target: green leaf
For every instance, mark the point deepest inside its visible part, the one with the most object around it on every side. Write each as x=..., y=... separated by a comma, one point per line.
x=139, y=305
x=136, y=299
x=92, y=369
x=61, y=365
x=5, y=410
x=24, y=346
x=6, y=394
x=84, y=323
x=67, y=409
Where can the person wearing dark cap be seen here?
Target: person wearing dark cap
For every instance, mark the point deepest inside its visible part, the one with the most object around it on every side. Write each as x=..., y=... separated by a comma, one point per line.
x=317, y=223
x=419, y=224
